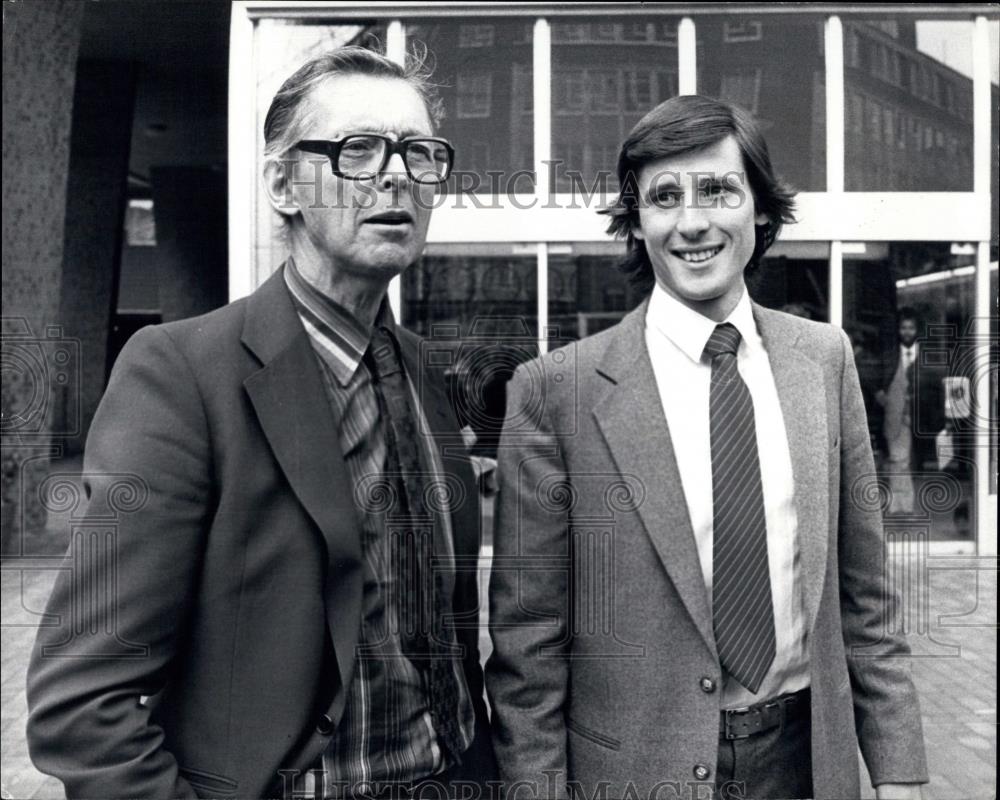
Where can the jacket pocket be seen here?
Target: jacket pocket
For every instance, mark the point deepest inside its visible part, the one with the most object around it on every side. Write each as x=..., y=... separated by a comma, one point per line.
x=593, y=736
x=215, y=785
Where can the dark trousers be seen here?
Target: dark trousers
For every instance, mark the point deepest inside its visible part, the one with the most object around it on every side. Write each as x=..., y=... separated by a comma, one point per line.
x=774, y=765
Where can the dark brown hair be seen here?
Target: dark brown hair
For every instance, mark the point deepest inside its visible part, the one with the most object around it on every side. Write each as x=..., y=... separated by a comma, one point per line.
x=679, y=125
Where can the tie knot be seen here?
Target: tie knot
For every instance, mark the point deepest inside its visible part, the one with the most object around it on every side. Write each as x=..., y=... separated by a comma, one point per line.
x=724, y=339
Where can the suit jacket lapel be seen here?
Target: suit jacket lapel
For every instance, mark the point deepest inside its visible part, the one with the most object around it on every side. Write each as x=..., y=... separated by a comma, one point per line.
x=297, y=419
x=630, y=416
x=802, y=394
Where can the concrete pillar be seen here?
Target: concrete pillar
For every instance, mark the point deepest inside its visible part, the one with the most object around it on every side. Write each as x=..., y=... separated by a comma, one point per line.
x=40, y=43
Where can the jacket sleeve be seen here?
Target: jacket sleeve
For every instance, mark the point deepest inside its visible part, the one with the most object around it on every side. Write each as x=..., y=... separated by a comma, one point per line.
x=527, y=673
x=127, y=582
x=887, y=711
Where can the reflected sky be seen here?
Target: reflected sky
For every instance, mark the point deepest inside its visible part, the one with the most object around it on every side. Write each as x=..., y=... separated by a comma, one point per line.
x=949, y=42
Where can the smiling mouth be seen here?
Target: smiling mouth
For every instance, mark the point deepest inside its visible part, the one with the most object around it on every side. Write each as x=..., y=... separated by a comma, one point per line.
x=698, y=256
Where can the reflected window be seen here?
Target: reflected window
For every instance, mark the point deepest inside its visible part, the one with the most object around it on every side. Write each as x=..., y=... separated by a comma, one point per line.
x=605, y=77
x=484, y=76
x=908, y=105
x=475, y=95
x=736, y=63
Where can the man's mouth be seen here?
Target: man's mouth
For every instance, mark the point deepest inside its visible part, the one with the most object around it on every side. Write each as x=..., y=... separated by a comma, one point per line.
x=697, y=255
x=391, y=218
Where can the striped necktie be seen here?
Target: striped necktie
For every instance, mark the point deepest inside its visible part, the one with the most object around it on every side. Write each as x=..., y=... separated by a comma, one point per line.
x=423, y=604
x=742, y=610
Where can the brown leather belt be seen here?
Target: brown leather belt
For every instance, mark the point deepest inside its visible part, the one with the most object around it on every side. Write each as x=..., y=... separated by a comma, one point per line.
x=741, y=723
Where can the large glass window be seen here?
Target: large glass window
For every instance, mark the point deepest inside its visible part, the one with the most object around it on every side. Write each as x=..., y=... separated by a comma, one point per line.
x=477, y=306
x=606, y=74
x=772, y=66
x=483, y=70
x=908, y=105
x=908, y=308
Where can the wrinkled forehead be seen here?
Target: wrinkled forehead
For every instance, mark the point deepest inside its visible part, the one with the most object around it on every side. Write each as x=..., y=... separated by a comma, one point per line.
x=352, y=103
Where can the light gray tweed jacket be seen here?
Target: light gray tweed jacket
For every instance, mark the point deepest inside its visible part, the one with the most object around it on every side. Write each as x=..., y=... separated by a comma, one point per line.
x=600, y=619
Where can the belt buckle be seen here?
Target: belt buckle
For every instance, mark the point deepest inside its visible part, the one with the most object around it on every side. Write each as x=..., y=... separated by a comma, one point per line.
x=728, y=713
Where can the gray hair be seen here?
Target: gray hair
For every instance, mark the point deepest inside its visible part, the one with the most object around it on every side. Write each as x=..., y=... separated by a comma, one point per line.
x=285, y=115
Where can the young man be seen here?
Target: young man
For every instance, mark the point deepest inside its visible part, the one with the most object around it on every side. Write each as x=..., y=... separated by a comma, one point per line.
x=273, y=595
x=687, y=595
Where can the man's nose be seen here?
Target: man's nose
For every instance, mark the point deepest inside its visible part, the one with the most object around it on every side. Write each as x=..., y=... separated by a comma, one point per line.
x=394, y=173
x=693, y=220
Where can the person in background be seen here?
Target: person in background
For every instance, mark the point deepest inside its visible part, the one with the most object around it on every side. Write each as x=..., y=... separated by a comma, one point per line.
x=912, y=401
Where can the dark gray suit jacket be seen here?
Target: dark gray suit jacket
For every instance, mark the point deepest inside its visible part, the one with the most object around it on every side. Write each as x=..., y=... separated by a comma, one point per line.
x=600, y=617
x=234, y=596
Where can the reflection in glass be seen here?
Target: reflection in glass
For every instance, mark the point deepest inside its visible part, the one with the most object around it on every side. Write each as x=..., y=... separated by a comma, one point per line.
x=483, y=70
x=587, y=293
x=738, y=62
x=794, y=277
x=908, y=105
x=605, y=76
x=908, y=309
x=477, y=306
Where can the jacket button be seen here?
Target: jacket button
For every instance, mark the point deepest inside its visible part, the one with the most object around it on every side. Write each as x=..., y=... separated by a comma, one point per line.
x=701, y=772
x=325, y=725
x=707, y=685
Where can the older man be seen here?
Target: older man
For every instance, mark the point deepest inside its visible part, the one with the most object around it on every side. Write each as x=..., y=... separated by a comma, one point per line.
x=687, y=597
x=288, y=590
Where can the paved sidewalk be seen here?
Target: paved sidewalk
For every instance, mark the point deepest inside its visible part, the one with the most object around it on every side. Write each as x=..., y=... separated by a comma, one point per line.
x=951, y=604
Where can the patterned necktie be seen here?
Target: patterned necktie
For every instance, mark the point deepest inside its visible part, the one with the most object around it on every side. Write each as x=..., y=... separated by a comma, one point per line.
x=423, y=604
x=742, y=610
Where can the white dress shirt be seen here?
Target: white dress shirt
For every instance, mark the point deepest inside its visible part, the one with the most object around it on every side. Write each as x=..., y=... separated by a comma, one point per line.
x=676, y=337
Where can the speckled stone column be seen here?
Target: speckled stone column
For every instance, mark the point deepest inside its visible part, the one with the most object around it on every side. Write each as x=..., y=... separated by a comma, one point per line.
x=40, y=42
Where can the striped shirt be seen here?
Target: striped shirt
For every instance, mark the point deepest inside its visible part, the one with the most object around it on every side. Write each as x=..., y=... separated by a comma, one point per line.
x=386, y=734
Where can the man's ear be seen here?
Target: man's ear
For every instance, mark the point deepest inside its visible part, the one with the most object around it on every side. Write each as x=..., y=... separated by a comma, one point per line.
x=636, y=231
x=761, y=219
x=278, y=185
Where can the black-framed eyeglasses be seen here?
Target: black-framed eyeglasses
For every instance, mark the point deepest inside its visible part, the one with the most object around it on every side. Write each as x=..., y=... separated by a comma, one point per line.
x=361, y=156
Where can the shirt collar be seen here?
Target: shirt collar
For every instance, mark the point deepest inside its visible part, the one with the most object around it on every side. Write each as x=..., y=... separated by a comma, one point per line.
x=338, y=336
x=689, y=330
